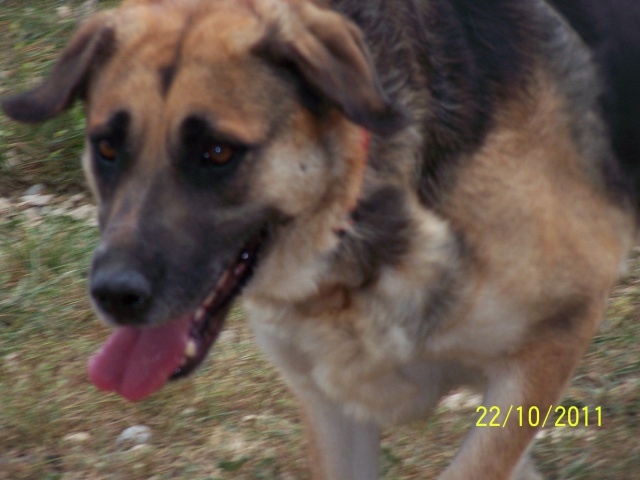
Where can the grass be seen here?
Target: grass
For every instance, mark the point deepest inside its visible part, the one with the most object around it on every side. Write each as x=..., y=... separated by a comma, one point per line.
x=234, y=419
x=32, y=33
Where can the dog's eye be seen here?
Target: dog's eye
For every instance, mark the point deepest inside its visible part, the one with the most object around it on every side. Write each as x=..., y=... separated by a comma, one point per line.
x=218, y=153
x=107, y=150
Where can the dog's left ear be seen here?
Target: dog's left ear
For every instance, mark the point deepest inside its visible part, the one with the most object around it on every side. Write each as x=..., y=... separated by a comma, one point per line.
x=330, y=54
x=91, y=44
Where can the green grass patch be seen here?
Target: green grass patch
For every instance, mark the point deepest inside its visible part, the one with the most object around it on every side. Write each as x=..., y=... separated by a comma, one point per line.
x=32, y=35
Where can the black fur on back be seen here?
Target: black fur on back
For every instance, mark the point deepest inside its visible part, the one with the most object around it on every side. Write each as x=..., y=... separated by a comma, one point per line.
x=480, y=52
x=450, y=62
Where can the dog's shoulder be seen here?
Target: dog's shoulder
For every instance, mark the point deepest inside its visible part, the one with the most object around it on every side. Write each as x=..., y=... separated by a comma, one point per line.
x=454, y=65
x=450, y=63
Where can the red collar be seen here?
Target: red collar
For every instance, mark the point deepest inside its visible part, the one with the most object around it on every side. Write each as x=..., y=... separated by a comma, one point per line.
x=366, y=140
x=348, y=221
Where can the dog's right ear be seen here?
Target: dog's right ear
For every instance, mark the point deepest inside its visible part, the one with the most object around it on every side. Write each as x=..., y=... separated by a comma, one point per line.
x=329, y=53
x=90, y=46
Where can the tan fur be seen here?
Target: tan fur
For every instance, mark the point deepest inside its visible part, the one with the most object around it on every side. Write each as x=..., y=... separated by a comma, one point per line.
x=532, y=264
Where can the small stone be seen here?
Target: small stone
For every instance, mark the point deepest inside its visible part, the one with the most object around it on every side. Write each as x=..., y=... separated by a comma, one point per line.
x=36, y=200
x=79, y=437
x=36, y=189
x=140, y=448
x=64, y=11
x=460, y=400
x=85, y=212
x=136, y=435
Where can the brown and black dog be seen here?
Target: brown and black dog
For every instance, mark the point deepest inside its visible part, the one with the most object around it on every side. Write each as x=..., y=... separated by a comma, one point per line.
x=410, y=196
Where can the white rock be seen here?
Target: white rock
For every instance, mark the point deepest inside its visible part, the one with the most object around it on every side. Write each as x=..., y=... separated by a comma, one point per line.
x=79, y=437
x=36, y=189
x=138, y=435
x=36, y=200
x=64, y=11
x=85, y=212
x=463, y=399
x=143, y=447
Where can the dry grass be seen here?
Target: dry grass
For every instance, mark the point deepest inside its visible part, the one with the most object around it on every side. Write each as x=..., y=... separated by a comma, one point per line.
x=32, y=33
x=234, y=419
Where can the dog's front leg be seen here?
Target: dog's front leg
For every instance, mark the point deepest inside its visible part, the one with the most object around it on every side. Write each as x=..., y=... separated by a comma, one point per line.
x=341, y=447
x=523, y=389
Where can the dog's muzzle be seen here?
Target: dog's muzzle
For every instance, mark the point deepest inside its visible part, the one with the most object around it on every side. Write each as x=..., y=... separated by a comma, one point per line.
x=138, y=359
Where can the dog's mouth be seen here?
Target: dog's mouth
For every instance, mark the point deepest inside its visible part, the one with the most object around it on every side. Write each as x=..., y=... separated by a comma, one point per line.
x=208, y=319
x=135, y=362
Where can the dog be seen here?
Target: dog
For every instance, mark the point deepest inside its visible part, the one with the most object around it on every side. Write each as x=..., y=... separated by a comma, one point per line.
x=410, y=196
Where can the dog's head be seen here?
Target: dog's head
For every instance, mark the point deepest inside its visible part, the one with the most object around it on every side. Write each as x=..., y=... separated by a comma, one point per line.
x=209, y=124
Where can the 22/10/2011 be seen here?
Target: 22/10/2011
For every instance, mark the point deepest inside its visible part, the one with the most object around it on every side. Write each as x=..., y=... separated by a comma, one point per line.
x=532, y=417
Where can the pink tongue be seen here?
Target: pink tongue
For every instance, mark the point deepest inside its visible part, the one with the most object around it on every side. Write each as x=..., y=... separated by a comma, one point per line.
x=136, y=362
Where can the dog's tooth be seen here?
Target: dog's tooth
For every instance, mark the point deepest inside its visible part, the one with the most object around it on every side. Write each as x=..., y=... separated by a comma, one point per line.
x=191, y=349
x=200, y=313
x=240, y=269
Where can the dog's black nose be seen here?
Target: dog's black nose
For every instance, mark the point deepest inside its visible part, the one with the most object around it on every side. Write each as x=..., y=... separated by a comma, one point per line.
x=121, y=291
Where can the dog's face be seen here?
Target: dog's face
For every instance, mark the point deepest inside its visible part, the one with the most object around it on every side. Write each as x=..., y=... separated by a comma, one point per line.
x=210, y=124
